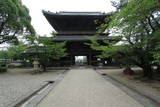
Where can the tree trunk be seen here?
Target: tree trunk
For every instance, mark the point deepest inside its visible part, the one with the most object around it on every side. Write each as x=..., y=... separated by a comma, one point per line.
x=44, y=68
x=157, y=23
x=158, y=69
x=148, y=71
x=150, y=24
x=2, y=26
x=128, y=70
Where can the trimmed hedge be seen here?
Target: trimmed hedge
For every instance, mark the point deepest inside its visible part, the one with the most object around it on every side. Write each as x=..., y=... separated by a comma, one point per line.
x=3, y=69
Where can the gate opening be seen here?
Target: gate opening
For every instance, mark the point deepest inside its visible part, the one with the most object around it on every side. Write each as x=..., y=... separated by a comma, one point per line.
x=81, y=60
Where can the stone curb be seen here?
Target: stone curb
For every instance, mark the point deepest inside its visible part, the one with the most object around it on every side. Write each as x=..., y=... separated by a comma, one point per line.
x=32, y=94
x=154, y=100
x=36, y=92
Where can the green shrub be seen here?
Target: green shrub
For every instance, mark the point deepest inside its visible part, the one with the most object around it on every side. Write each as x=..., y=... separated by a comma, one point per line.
x=3, y=69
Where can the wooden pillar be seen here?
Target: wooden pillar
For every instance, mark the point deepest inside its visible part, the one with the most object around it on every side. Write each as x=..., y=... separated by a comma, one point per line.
x=71, y=60
x=90, y=58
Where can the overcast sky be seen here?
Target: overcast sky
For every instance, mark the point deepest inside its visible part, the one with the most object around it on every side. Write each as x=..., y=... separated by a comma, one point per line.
x=41, y=25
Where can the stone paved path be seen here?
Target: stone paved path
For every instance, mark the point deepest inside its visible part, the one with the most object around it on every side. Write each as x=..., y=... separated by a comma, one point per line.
x=85, y=88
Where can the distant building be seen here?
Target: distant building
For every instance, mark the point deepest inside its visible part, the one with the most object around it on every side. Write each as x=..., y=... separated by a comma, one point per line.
x=75, y=28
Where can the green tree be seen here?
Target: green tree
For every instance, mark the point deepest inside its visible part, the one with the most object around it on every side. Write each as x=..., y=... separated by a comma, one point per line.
x=51, y=51
x=4, y=54
x=137, y=25
x=15, y=52
x=156, y=55
x=45, y=49
x=12, y=53
x=14, y=20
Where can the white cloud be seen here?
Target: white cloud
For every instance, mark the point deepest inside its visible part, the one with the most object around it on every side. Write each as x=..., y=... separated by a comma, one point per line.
x=41, y=25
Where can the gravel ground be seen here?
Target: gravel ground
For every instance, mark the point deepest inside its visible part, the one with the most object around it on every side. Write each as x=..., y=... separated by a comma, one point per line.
x=150, y=88
x=18, y=83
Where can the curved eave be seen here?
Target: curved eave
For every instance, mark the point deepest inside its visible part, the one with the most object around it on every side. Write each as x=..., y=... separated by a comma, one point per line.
x=77, y=13
x=75, y=22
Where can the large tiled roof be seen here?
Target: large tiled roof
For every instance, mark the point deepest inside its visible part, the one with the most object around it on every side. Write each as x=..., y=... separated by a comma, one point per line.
x=75, y=21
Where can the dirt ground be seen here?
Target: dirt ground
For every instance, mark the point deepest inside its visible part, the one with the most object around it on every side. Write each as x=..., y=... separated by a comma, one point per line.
x=148, y=87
